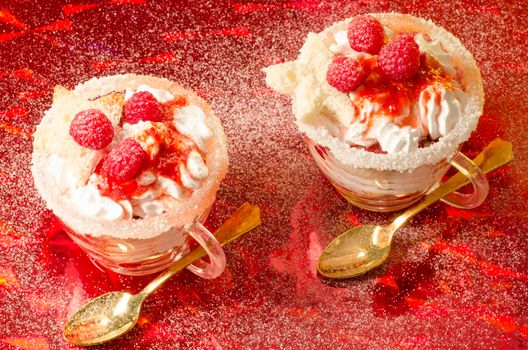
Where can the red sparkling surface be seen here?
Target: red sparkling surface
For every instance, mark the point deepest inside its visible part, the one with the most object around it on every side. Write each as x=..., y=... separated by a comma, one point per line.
x=456, y=279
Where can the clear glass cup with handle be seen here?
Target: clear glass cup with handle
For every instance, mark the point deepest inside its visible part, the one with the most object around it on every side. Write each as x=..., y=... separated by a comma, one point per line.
x=134, y=245
x=369, y=177
x=390, y=190
x=143, y=256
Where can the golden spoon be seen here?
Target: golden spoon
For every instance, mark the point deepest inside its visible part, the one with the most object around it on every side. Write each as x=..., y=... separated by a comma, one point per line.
x=113, y=314
x=363, y=248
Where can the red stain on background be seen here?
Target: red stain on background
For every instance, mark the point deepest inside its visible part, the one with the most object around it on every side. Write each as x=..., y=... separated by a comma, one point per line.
x=9, y=36
x=467, y=255
x=73, y=9
x=453, y=212
x=58, y=25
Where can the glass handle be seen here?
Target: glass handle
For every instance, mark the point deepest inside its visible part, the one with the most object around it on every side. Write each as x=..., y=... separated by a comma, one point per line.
x=213, y=249
x=477, y=179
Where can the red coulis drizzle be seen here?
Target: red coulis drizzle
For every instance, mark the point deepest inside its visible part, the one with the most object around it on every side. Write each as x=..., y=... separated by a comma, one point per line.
x=393, y=96
x=172, y=153
x=174, y=150
x=115, y=190
x=168, y=108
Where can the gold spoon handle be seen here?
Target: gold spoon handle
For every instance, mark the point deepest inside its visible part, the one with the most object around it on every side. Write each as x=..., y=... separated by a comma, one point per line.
x=244, y=220
x=495, y=155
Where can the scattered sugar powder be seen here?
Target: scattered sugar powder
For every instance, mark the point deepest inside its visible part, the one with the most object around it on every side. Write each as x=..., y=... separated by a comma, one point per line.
x=456, y=279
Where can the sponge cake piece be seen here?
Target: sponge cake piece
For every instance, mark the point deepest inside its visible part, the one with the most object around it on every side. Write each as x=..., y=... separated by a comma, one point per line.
x=52, y=135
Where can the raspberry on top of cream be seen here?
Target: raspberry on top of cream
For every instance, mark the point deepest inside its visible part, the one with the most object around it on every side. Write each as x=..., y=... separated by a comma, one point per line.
x=149, y=162
x=375, y=87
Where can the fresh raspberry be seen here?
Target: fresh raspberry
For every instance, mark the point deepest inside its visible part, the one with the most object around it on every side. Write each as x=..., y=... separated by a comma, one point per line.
x=125, y=161
x=142, y=106
x=92, y=129
x=345, y=74
x=400, y=59
x=365, y=34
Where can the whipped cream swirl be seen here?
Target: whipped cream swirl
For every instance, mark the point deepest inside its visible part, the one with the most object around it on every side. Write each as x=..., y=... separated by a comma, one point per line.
x=439, y=109
x=190, y=121
x=86, y=198
x=90, y=203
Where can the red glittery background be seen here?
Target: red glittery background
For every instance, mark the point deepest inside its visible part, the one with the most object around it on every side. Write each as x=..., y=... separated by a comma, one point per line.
x=456, y=279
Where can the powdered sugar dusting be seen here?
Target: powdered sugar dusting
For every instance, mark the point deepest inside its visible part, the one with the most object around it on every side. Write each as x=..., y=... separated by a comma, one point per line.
x=456, y=279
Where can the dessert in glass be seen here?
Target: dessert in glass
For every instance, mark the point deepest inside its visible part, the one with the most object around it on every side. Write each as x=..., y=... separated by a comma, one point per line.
x=385, y=101
x=130, y=165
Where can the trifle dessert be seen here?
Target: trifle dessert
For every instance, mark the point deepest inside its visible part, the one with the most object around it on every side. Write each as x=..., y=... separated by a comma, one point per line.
x=131, y=164
x=385, y=100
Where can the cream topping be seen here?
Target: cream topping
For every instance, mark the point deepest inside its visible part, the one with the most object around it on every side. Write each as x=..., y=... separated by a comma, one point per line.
x=146, y=178
x=128, y=210
x=162, y=193
x=148, y=208
x=91, y=203
x=355, y=135
x=196, y=166
x=433, y=48
x=187, y=180
x=86, y=198
x=190, y=121
x=65, y=177
x=159, y=197
x=139, y=132
x=394, y=139
x=437, y=108
x=342, y=45
x=171, y=188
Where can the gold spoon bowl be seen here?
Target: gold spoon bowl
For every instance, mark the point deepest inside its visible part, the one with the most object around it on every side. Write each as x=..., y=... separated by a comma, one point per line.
x=363, y=248
x=113, y=314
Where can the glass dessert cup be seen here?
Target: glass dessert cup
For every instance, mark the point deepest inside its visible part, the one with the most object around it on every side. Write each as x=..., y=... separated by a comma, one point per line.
x=339, y=121
x=390, y=190
x=137, y=257
x=385, y=187
x=140, y=246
